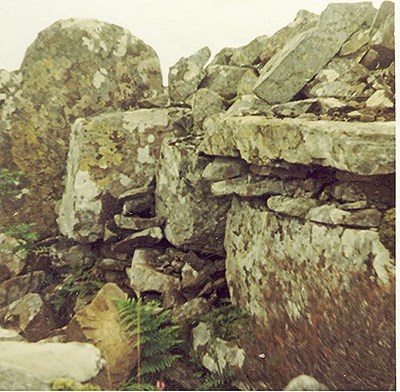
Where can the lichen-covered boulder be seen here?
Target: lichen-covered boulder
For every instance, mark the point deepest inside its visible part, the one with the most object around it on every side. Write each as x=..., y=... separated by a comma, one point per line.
x=109, y=155
x=195, y=219
x=74, y=68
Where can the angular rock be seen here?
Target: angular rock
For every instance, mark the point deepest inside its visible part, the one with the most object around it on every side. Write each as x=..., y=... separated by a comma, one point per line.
x=145, y=237
x=248, y=187
x=93, y=324
x=225, y=80
x=261, y=140
x=185, y=76
x=282, y=170
x=47, y=361
x=387, y=231
x=305, y=383
x=330, y=214
x=13, y=378
x=249, y=105
x=216, y=355
x=109, y=154
x=12, y=262
x=7, y=335
x=195, y=219
x=144, y=278
x=224, y=169
x=190, y=311
x=296, y=207
x=15, y=288
x=355, y=42
x=189, y=276
x=205, y=103
x=380, y=100
x=382, y=32
x=31, y=317
x=111, y=69
x=137, y=223
x=301, y=59
x=340, y=78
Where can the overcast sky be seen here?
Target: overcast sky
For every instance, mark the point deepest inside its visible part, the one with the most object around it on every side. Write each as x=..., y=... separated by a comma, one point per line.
x=174, y=28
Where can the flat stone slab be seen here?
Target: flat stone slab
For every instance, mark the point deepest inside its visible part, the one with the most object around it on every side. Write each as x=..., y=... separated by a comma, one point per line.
x=361, y=148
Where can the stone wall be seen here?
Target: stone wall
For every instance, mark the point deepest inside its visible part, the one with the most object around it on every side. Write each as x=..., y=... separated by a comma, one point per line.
x=264, y=179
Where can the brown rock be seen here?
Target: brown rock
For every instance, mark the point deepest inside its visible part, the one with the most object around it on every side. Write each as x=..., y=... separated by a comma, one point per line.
x=145, y=237
x=99, y=324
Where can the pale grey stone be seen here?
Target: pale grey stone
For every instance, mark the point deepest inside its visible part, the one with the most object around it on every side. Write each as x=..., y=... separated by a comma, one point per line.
x=330, y=214
x=380, y=100
x=305, y=383
x=47, y=361
x=300, y=60
x=297, y=207
x=185, y=76
x=261, y=140
x=13, y=378
x=12, y=257
x=249, y=105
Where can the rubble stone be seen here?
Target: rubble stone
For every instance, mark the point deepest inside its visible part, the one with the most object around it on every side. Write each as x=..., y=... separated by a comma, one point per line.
x=145, y=237
x=185, y=76
x=311, y=51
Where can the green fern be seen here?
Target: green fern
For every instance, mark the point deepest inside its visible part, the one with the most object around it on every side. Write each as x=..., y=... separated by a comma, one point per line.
x=155, y=335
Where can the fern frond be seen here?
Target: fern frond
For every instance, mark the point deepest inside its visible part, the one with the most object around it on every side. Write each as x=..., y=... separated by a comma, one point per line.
x=158, y=364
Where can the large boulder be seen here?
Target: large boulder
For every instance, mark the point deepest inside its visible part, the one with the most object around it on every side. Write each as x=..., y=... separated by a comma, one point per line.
x=99, y=323
x=300, y=60
x=109, y=155
x=74, y=68
x=48, y=361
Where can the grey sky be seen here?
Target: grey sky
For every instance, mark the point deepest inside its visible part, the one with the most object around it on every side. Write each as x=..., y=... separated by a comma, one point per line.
x=174, y=28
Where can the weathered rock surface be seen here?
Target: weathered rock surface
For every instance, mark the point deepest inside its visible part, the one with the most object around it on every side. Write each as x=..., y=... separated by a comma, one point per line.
x=261, y=140
x=15, y=288
x=205, y=103
x=47, y=361
x=229, y=81
x=222, y=168
x=195, y=219
x=109, y=154
x=299, y=61
x=145, y=278
x=99, y=324
x=185, y=76
x=12, y=262
x=13, y=378
x=75, y=68
x=146, y=237
x=31, y=317
x=329, y=256
x=305, y=383
x=10, y=335
x=136, y=222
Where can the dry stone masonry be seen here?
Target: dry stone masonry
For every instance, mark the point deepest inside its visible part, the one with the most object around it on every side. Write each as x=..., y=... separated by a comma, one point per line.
x=262, y=179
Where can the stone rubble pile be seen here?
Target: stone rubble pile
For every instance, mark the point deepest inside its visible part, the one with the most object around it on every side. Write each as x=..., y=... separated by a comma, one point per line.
x=264, y=179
